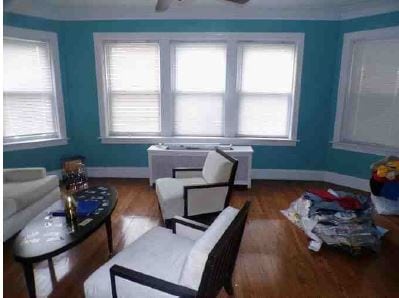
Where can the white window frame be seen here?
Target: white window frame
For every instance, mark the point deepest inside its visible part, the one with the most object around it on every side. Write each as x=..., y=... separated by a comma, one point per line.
x=59, y=117
x=165, y=41
x=345, y=72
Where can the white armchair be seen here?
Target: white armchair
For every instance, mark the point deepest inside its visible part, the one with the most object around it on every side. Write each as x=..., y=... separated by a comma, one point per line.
x=197, y=191
x=192, y=260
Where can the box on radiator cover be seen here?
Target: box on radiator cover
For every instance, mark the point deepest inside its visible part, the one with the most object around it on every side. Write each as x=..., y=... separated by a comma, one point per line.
x=161, y=161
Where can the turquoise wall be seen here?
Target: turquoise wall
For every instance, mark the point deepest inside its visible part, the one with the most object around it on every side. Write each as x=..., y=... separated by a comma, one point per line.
x=342, y=161
x=323, y=40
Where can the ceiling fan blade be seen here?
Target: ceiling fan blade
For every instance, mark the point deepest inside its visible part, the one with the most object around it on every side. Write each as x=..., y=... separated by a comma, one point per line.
x=162, y=5
x=239, y=1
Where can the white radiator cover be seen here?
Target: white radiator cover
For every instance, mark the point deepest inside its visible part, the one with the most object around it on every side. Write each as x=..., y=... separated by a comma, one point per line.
x=161, y=161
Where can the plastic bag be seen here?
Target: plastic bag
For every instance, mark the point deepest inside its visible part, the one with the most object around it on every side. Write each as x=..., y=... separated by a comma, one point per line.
x=384, y=206
x=298, y=213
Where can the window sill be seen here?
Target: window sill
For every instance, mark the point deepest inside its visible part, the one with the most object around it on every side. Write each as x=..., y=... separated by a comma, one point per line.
x=221, y=140
x=363, y=148
x=33, y=144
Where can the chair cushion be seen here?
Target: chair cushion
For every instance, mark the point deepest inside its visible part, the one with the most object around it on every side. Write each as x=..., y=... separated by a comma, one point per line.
x=158, y=253
x=195, y=263
x=170, y=192
x=217, y=168
x=24, y=194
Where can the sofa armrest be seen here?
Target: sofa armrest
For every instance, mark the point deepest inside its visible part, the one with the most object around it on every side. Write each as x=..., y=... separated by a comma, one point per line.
x=188, y=228
x=23, y=174
x=184, y=172
x=149, y=281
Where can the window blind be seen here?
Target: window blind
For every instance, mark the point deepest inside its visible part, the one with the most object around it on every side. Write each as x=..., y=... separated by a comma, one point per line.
x=265, y=89
x=133, y=88
x=29, y=92
x=200, y=79
x=372, y=103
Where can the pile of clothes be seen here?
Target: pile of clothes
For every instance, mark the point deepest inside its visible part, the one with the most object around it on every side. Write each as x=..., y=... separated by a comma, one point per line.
x=336, y=218
x=384, y=185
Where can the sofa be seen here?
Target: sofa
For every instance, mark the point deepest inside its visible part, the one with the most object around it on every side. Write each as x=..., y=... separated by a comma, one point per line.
x=26, y=192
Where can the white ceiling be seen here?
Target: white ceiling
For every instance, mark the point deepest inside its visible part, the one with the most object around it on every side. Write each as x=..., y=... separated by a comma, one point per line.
x=201, y=9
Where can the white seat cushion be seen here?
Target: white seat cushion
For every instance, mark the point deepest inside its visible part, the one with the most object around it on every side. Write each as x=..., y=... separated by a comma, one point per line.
x=158, y=253
x=195, y=264
x=23, y=174
x=9, y=208
x=217, y=168
x=24, y=194
x=170, y=192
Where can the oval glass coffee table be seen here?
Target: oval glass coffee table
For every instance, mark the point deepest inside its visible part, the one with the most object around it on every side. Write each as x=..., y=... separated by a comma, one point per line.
x=47, y=236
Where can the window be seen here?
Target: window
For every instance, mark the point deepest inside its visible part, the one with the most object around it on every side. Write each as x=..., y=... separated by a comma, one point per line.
x=200, y=79
x=369, y=95
x=133, y=88
x=266, y=89
x=32, y=100
x=240, y=88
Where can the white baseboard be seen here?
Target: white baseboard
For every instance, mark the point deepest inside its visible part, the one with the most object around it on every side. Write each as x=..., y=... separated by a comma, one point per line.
x=282, y=174
x=265, y=174
x=309, y=175
x=118, y=172
x=55, y=172
x=346, y=180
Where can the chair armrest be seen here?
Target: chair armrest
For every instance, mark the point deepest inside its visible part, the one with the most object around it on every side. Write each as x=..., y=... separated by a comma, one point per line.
x=198, y=187
x=188, y=228
x=210, y=185
x=149, y=281
x=185, y=170
x=23, y=174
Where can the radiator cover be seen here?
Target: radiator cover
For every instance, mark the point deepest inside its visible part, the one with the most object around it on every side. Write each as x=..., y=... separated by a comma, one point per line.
x=162, y=161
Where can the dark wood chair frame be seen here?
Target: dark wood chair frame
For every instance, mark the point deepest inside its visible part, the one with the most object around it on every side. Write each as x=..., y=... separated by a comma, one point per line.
x=218, y=269
x=229, y=183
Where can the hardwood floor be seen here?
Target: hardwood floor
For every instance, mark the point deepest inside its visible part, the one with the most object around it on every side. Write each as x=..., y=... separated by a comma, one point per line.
x=273, y=261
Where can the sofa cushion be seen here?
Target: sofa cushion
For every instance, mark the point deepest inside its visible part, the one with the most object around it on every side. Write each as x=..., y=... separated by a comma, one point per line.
x=24, y=194
x=217, y=169
x=9, y=208
x=170, y=192
x=23, y=174
x=195, y=263
x=158, y=253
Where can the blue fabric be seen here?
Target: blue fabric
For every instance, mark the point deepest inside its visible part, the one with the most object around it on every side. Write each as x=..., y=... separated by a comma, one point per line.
x=390, y=190
x=318, y=204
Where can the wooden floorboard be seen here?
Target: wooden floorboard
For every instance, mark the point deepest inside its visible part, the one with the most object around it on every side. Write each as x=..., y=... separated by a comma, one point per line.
x=273, y=261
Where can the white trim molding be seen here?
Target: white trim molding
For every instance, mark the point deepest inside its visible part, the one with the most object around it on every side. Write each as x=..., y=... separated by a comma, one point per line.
x=338, y=141
x=166, y=41
x=287, y=174
x=118, y=172
x=346, y=180
x=366, y=148
x=261, y=174
x=52, y=40
x=311, y=175
x=35, y=144
x=205, y=140
x=188, y=10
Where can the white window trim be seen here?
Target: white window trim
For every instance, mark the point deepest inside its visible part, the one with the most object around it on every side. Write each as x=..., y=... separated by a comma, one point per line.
x=165, y=40
x=346, y=63
x=52, y=40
